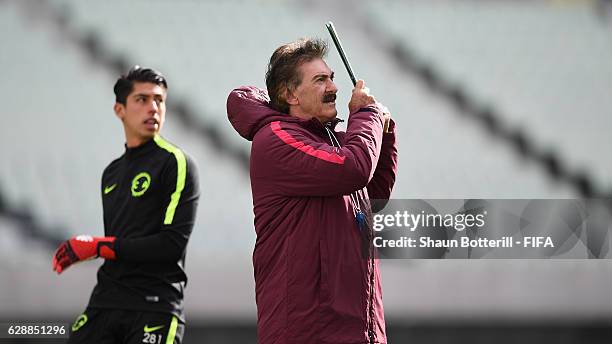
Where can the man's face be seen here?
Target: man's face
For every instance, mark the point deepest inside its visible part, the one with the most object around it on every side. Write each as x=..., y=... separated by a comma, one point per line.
x=316, y=94
x=144, y=112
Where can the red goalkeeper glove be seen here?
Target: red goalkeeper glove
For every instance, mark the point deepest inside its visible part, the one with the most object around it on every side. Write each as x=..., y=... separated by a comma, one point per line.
x=82, y=247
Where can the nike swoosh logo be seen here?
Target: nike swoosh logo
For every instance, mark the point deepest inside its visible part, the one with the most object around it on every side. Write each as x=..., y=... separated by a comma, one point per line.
x=110, y=188
x=148, y=329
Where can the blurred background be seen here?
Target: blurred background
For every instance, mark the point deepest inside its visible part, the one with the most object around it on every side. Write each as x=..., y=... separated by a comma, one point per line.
x=492, y=99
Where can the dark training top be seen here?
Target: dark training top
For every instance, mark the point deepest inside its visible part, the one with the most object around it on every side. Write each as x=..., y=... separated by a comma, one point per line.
x=150, y=196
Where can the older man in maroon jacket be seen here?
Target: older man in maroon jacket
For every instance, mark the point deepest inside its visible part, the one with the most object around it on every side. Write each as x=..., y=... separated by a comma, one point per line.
x=317, y=279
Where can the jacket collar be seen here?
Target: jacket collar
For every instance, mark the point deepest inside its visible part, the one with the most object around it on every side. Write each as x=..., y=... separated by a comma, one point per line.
x=316, y=126
x=134, y=152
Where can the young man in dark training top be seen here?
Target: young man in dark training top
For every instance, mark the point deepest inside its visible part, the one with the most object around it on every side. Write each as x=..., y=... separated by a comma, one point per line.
x=149, y=197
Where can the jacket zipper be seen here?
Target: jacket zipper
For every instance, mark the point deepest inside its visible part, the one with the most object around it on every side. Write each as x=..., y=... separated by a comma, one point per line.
x=372, y=289
x=370, y=325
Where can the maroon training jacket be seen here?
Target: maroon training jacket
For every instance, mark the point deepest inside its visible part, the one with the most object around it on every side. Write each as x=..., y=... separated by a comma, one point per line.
x=314, y=280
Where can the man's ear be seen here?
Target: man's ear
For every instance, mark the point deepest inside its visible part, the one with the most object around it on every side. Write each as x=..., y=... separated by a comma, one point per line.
x=119, y=110
x=291, y=98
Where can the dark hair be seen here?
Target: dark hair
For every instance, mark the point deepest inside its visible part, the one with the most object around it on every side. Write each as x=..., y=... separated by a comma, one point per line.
x=125, y=84
x=283, y=74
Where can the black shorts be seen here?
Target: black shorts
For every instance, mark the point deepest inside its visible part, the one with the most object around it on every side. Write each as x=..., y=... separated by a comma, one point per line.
x=106, y=326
